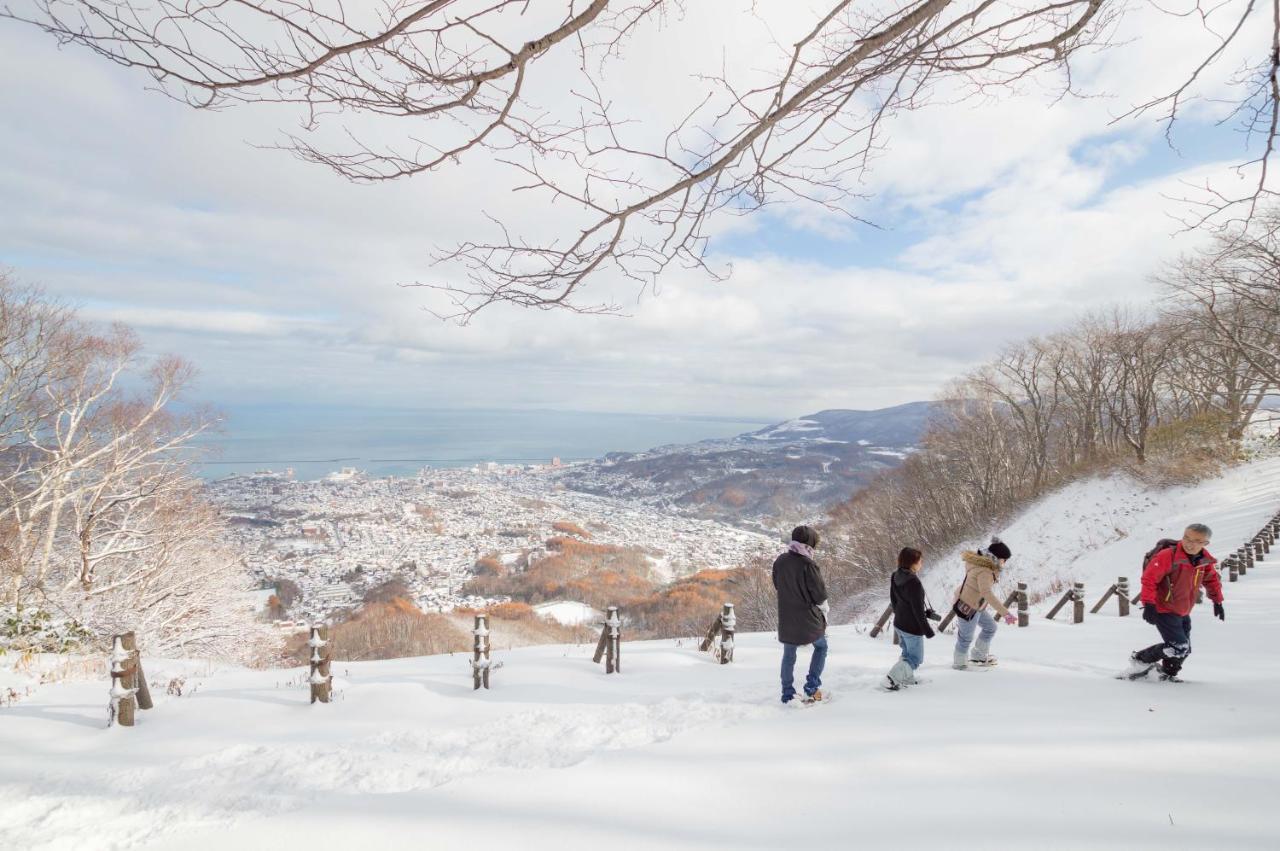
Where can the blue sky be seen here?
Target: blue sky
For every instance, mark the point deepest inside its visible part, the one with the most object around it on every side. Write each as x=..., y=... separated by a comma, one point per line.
x=279, y=280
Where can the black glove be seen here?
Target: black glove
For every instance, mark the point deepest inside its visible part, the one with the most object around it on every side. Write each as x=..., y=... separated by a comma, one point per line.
x=1219, y=612
x=932, y=615
x=1149, y=613
x=928, y=633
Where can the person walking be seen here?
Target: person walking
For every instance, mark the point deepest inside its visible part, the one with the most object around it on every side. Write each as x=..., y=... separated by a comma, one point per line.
x=976, y=594
x=911, y=616
x=1171, y=581
x=802, y=612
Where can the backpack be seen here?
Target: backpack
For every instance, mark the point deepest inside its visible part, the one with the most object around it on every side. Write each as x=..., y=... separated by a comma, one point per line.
x=1161, y=545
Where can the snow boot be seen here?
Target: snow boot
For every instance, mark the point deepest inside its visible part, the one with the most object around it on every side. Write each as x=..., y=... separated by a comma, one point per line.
x=889, y=685
x=816, y=697
x=981, y=653
x=1137, y=668
x=960, y=661
x=901, y=674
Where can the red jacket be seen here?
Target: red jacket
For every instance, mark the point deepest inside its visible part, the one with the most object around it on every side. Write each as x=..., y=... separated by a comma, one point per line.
x=1171, y=581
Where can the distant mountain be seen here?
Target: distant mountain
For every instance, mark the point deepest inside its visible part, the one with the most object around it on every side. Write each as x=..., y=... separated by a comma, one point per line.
x=898, y=426
x=782, y=473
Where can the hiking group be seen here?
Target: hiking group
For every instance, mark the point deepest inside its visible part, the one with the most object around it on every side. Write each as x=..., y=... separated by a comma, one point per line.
x=1173, y=574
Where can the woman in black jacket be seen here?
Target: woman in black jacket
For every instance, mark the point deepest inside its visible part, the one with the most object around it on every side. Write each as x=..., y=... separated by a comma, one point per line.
x=911, y=616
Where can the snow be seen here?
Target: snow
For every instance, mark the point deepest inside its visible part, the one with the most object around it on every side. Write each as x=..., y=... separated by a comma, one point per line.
x=1046, y=750
x=568, y=612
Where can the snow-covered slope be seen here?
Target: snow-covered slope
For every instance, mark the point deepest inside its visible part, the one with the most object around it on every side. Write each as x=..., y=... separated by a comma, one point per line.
x=1045, y=751
x=1097, y=530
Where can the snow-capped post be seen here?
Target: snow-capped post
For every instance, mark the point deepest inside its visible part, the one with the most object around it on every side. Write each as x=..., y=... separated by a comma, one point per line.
x=884, y=619
x=722, y=627
x=480, y=653
x=1024, y=617
x=1232, y=569
x=610, y=645
x=1077, y=597
x=1257, y=550
x=320, y=679
x=728, y=626
x=1246, y=560
x=123, y=673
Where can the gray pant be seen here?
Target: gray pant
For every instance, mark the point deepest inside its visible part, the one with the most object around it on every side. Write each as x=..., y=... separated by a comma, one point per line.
x=965, y=630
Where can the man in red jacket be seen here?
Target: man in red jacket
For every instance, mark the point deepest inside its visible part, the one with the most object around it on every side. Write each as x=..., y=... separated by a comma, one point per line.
x=1170, y=584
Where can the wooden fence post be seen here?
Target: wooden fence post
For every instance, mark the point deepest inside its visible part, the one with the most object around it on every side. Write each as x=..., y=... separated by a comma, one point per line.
x=1232, y=570
x=1024, y=617
x=123, y=702
x=1257, y=551
x=480, y=653
x=320, y=679
x=1057, y=607
x=884, y=619
x=610, y=644
x=1111, y=590
x=1246, y=560
x=1122, y=595
x=1077, y=596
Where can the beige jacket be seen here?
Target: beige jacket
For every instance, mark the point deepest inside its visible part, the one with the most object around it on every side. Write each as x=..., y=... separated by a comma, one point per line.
x=977, y=590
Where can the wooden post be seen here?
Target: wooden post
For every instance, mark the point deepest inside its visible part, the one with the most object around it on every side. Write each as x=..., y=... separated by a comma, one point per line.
x=884, y=619
x=610, y=644
x=1024, y=617
x=1257, y=551
x=1077, y=596
x=728, y=626
x=320, y=679
x=709, y=640
x=1057, y=607
x=1097, y=607
x=1265, y=540
x=1122, y=595
x=1246, y=560
x=123, y=703
x=1232, y=570
x=480, y=653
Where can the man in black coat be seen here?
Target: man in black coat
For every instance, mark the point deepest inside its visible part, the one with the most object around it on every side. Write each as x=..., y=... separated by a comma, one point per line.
x=802, y=612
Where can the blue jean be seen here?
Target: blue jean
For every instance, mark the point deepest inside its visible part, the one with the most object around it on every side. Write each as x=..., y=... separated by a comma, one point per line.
x=965, y=630
x=816, y=664
x=912, y=648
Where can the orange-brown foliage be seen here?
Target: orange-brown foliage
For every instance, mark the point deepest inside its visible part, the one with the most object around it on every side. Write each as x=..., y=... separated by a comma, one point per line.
x=565, y=527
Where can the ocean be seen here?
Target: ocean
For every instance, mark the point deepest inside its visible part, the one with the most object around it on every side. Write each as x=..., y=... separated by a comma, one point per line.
x=316, y=440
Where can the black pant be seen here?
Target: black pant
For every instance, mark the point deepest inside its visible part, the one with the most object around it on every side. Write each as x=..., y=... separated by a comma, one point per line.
x=1176, y=646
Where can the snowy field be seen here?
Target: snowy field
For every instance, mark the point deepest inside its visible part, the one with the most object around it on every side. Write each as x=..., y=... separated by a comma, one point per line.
x=1047, y=750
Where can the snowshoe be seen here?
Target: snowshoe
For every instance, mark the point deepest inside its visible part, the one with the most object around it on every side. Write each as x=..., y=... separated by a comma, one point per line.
x=988, y=662
x=889, y=685
x=1170, y=678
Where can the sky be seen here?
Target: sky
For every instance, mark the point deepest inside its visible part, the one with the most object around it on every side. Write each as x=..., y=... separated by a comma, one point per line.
x=995, y=219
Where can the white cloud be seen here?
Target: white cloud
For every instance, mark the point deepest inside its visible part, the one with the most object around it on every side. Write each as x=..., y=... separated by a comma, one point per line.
x=279, y=279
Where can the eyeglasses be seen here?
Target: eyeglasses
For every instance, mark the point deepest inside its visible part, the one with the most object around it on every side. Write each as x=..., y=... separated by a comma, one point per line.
x=1201, y=541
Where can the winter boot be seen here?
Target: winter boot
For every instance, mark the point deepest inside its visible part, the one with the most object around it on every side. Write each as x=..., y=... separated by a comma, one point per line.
x=981, y=653
x=1137, y=668
x=902, y=675
x=961, y=660
x=816, y=697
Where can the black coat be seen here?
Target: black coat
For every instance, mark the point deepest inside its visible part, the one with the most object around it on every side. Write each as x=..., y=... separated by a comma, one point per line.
x=800, y=589
x=906, y=595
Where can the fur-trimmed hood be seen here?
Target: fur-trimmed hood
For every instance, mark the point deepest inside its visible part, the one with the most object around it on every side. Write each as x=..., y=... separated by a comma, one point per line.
x=982, y=560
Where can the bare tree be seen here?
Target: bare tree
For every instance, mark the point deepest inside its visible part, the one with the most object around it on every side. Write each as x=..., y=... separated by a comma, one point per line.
x=100, y=519
x=1233, y=287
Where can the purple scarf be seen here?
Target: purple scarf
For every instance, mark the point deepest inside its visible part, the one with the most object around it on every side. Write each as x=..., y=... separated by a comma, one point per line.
x=803, y=549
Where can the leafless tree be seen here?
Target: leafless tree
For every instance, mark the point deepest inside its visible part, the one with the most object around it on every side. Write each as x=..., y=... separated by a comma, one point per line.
x=100, y=520
x=1233, y=285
